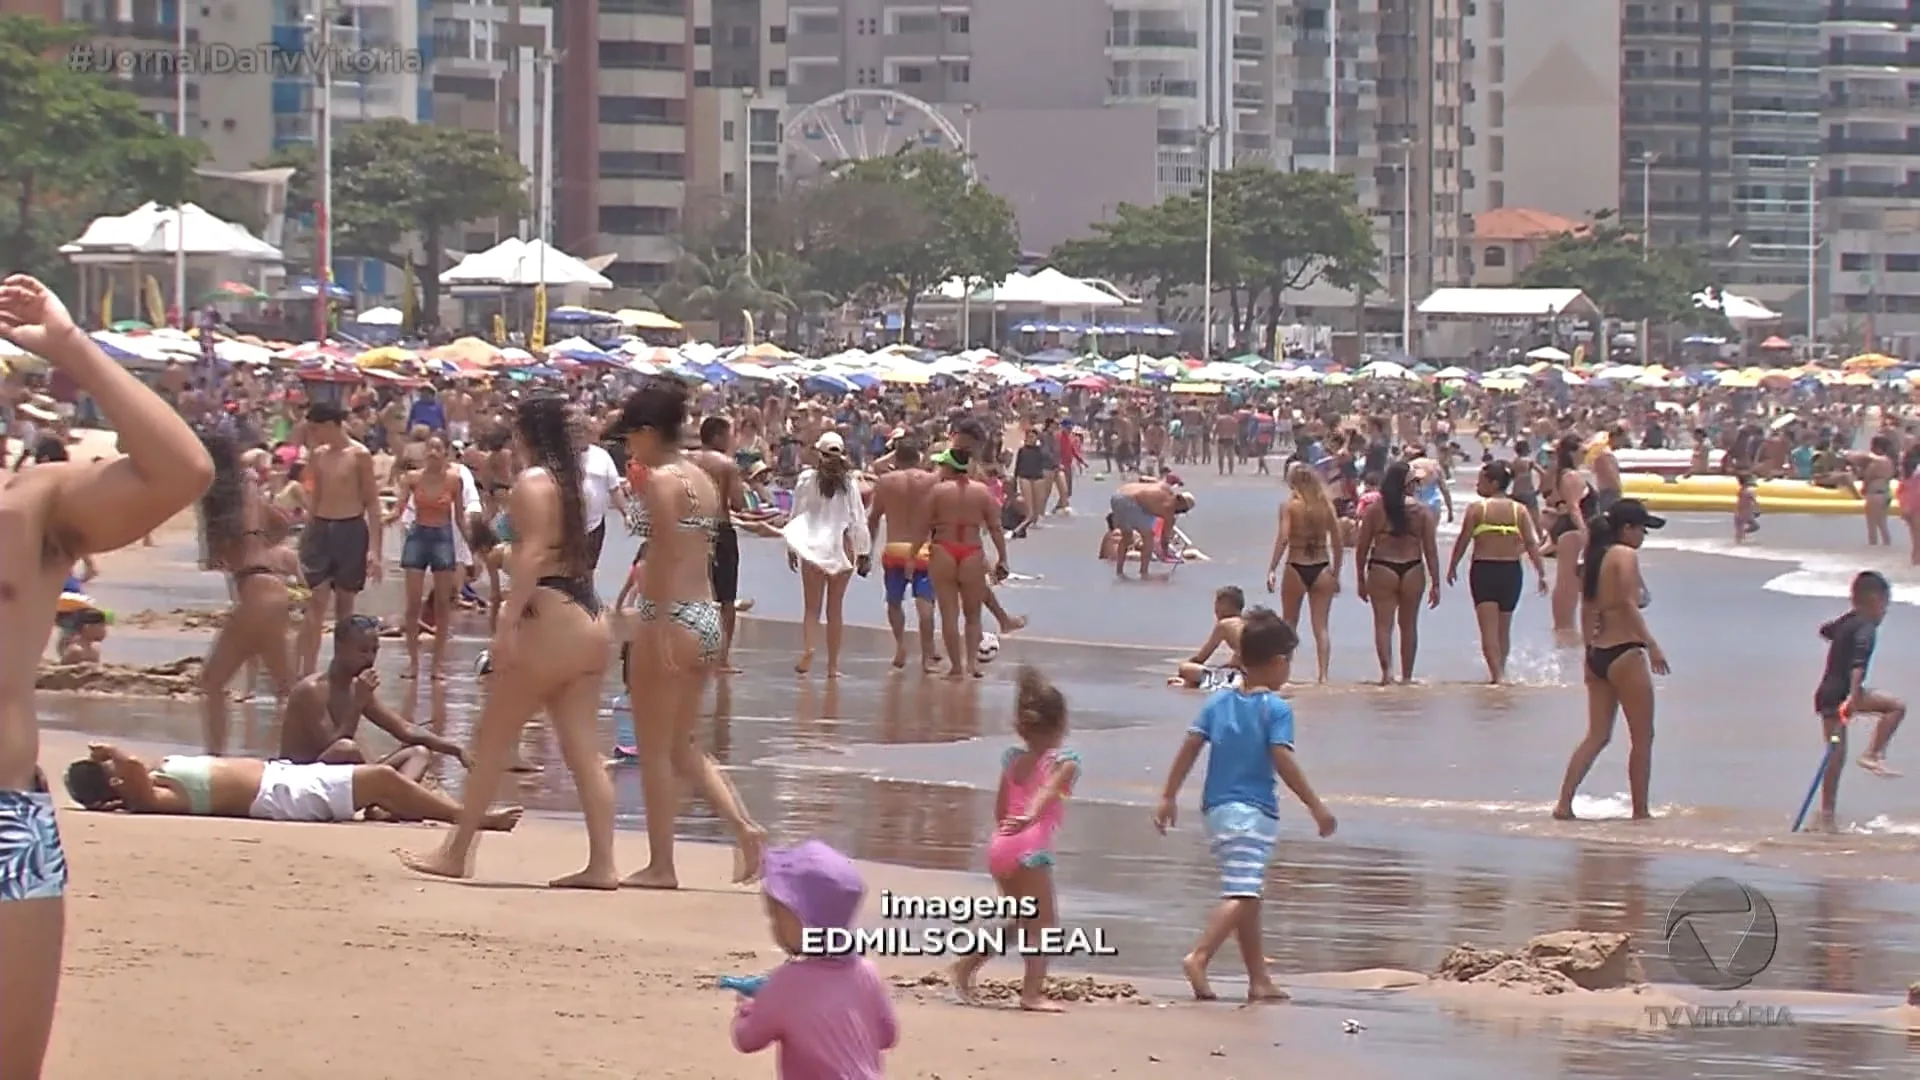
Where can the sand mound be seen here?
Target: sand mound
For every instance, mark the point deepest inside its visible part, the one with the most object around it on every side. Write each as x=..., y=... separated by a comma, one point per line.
x=1555, y=963
x=178, y=679
x=1059, y=988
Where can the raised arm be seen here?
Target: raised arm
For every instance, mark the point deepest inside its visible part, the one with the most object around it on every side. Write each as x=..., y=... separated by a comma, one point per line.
x=101, y=506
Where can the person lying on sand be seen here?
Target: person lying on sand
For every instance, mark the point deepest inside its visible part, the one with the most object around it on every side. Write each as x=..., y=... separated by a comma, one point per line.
x=109, y=778
x=1229, y=602
x=324, y=710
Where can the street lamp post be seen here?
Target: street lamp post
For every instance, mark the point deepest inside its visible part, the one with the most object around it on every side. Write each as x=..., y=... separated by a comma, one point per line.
x=1813, y=248
x=1208, y=132
x=967, y=285
x=545, y=61
x=180, y=129
x=1646, y=243
x=747, y=95
x=1406, y=247
x=323, y=146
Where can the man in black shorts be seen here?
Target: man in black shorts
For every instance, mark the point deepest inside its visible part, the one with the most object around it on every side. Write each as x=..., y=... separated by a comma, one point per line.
x=340, y=547
x=715, y=458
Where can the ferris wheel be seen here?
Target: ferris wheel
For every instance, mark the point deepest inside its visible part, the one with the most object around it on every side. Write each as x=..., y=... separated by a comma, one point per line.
x=857, y=125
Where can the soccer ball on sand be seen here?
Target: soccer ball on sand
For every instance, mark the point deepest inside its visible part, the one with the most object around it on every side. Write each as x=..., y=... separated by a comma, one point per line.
x=989, y=647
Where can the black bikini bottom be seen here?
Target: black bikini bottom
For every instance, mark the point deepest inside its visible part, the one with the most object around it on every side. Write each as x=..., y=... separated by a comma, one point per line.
x=578, y=591
x=1600, y=658
x=1400, y=567
x=1309, y=572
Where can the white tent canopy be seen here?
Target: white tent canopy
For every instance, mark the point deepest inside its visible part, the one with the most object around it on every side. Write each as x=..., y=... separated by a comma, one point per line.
x=514, y=261
x=1550, y=354
x=1508, y=303
x=1044, y=288
x=381, y=316
x=156, y=230
x=1739, y=310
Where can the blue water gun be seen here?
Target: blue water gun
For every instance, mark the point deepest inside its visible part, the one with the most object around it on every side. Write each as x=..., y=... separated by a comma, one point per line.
x=744, y=985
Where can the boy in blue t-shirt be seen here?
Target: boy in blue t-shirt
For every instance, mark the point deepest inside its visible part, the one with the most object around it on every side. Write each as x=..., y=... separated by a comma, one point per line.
x=1249, y=733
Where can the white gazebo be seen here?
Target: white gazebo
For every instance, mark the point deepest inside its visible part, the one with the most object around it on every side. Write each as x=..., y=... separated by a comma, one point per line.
x=516, y=262
x=152, y=236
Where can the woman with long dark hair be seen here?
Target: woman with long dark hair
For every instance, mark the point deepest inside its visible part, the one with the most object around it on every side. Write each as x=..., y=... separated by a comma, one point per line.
x=550, y=650
x=1570, y=499
x=679, y=642
x=1621, y=656
x=1399, y=559
x=241, y=533
x=827, y=539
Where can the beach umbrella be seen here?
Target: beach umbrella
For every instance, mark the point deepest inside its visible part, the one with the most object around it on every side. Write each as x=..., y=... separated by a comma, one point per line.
x=828, y=383
x=469, y=352
x=581, y=350
x=127, y=326
x=1089, y=382
x=1386, y=369
x=1549, y=354
x=232, y=290
x=1453, y=374
x=904, y=377
x=386, y=356
x=381, y=316
x=641, y=319
x=1869, y=362
x=1776, y=342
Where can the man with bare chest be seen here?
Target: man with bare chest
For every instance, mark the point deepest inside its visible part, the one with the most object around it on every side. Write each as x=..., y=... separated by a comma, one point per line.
x=50, y=517
x=324, y=711
x=901, y=501
x=340, y=548
x=715, y=458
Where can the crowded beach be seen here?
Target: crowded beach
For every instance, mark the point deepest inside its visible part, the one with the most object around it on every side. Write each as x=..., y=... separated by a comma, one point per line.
x=486, y=478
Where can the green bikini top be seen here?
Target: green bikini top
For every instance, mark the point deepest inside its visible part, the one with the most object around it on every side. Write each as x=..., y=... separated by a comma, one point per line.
x=194, y=774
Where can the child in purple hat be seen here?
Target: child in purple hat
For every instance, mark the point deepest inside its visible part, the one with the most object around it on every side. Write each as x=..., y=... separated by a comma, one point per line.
x=831, y=1015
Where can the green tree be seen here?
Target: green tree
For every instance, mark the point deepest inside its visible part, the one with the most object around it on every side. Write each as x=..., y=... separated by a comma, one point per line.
x=400, y=187
x=73, y=146
x=1626, y=279
x=1273, y=232
x=891, y=228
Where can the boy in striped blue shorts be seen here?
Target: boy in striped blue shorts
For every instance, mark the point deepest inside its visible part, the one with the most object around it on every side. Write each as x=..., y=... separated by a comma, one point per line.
x=1247, y=732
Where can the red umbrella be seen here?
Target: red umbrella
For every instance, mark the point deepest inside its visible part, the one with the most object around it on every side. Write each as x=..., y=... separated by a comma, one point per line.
x=1088, y=382
x=1776, y=342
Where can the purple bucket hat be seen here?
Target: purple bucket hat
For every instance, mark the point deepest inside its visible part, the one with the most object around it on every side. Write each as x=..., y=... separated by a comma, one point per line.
x=818, y=884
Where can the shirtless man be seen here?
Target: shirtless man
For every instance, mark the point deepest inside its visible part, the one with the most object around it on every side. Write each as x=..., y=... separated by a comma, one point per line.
x=1226, y=441
x=109, y=778
x=324, y=711
x=1605, y=467
x=50, y=516
x=340, y=548
x=958, y=509
x=1136, y=507
x=900, y=499
x=715, y=458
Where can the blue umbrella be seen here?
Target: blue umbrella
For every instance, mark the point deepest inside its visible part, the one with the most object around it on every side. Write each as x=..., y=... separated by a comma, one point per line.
x=571, y=314
x=114, y=352
x=542, y=371
x=829, y=383
x=307, y=286
x=1047, y=387
x=585, y=355
x=718, y=374
x=863, y=380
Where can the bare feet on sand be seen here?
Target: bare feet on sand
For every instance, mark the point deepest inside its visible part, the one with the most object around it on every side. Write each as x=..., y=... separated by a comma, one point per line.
x=440, y=863
x=1014, y=624
x=1041, y=1005
x=961, y=976
x=589, y=878
x=1878, y=767
x=804, y=664
x=1563, y=813
x=1196, y=970
x=1267, y=995
x=650, y=879
x=502, y=820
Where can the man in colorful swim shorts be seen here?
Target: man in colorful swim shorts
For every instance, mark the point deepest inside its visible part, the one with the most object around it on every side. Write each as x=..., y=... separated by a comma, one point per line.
x=900, y=501
x=51, y=516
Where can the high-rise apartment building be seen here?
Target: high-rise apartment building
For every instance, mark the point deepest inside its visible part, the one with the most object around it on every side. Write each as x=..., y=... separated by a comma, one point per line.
x=622, y=86
x=397, y=87
x=738, y=94
x=1870, y=175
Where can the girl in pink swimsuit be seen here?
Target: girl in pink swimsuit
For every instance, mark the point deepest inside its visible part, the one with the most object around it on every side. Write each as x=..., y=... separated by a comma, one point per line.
x=1035, y=780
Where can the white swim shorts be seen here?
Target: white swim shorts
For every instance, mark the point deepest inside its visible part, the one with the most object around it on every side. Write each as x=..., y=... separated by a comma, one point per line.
x=290, y=792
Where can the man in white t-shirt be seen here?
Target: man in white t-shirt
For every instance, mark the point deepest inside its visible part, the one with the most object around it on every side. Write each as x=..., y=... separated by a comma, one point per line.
x=600, y=492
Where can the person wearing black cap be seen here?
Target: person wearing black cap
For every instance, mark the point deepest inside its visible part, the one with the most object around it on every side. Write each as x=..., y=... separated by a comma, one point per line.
x=1621, y=655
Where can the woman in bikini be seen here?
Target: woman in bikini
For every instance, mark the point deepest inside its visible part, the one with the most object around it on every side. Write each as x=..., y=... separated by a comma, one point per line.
x=1877, y=477
x=958, y=511
x=1499, y=529
x=1910, y=498
x=243, y=535
x=550, y=651
x=1570, y=499
x=827, y=539
x=431, y=493
x=1399, y=559
x=1311, y=545
x=678, y=643
x=1621, y=656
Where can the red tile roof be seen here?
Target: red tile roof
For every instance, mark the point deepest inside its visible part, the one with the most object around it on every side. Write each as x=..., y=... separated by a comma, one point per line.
x=1519, y=223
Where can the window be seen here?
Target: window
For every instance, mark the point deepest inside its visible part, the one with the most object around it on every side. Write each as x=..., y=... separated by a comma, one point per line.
x=703, y=78
x=646, y=55
x=866, y=27
x=915, y=23
x=1497, y=108
x=1494, y=256
x=777, y=35
x=1853, y=262
x=777, y=77
x=642, y=166
x=638, y=220
x=640, y=110
x=703, y=35
x=959, y=24
x=820, y=25
x=1496, y=194
x=726, y=183
x=1903, y=264
x=959, y=73
x=637, y=275
x=726, y=131
x=909, y=75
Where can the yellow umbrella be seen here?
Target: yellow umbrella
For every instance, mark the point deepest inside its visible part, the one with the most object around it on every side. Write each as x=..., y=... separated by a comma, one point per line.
x=645, y=320
x=473, y=351
x=1198, y=388
x=386, y=356
x=1870, y=362
x=1856, y=378
x=906, y=378
x=767, y=350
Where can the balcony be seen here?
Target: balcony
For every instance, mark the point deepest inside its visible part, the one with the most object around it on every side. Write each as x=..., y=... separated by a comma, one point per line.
x=142, y=31
x=1153, y=39
x=1249, y=95
x=1900, y=14
x=1857, y=145
x=1857, y=102
x=1863, y=189
x=1692, y=73
x=1664, y=28
x=1880, y=58
x=1153, y=88
x=1249, y=47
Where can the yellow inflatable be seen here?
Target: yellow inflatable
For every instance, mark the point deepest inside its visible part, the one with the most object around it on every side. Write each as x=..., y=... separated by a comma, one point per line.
x=1718, y=494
